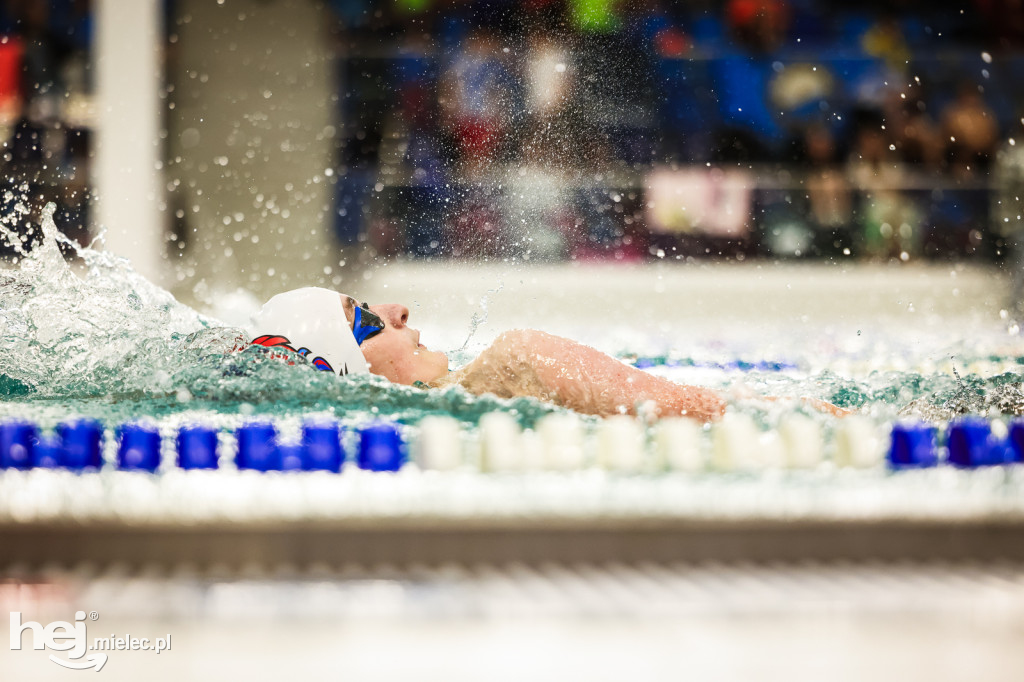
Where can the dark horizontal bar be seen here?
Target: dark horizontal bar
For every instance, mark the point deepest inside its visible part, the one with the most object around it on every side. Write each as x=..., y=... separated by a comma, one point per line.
x=409, y=541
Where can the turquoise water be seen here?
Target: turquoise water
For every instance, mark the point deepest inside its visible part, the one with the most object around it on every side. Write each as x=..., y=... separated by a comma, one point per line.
x=99, y=340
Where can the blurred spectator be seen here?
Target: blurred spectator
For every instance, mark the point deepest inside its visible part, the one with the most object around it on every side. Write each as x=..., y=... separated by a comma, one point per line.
x=884, y=39
x=548, y=99
x=971, y=129
x=917, y=137
x=799, y=92
x=759, y=25
x=11, y=96
x=478, y=99
x=828, y=190
x=890, y=221
x=45, y=49
x=750, y=129
x=512, y=115
x=594, y=16
x=549, y=77
x=45, y=114
x=869, y=151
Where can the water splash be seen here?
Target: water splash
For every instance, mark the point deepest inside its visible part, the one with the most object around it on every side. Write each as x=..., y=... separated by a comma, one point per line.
x=106, y=331
x=964, y=400
x=480, y=318
x=96, y=338
x=19, y=242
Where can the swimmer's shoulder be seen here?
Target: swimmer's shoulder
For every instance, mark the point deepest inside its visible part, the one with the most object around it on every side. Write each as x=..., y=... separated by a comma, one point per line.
x=452, y=378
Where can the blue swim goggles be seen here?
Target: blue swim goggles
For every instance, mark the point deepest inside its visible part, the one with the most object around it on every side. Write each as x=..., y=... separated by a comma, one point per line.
x=366, y=324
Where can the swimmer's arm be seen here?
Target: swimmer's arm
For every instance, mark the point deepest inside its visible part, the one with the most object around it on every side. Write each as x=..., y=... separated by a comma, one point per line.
x=821, y=406
x=536, y=364
x=740, y=392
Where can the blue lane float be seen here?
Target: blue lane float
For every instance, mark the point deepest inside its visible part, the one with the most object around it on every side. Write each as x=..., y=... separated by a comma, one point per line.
x=197, y=447
x=81, y=444
x=1015, y=440
x=381, y=448
x=912, y=447
x=46, y=454
x=971, y=443
x=321, y=447
x=647, y=362
x=77, y=445
x=257, y=447
x=291, y=456
x=138, y=448
x=968, y=442
x=17, y=445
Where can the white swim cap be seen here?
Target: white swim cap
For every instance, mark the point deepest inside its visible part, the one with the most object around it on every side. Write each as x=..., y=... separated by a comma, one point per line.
x=312, y=322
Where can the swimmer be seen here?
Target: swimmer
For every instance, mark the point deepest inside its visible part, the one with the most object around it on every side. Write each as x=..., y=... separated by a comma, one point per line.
x=344, y=335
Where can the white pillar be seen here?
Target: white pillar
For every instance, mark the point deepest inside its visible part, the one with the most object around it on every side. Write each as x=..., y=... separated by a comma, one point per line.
x=127, y=178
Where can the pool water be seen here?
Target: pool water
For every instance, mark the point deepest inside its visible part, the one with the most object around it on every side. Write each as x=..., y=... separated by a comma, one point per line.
x=95, y=339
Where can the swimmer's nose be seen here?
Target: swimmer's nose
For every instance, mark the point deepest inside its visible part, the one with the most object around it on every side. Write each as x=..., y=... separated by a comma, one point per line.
x=392, y=313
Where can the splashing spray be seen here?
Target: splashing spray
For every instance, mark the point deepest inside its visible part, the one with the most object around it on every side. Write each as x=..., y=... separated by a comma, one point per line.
x=963, y=401
x=19, y=242
x=479, y=318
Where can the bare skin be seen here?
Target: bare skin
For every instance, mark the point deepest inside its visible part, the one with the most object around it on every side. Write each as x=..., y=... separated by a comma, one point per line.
x=561, y=371
x=530, y=363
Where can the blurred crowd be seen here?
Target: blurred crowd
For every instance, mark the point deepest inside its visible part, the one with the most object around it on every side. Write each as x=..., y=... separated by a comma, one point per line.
x=615, y=129
x=45, y=114
x=631, y=130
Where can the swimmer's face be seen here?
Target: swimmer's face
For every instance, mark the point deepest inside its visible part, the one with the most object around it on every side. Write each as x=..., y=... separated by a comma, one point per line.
x=396, y=352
